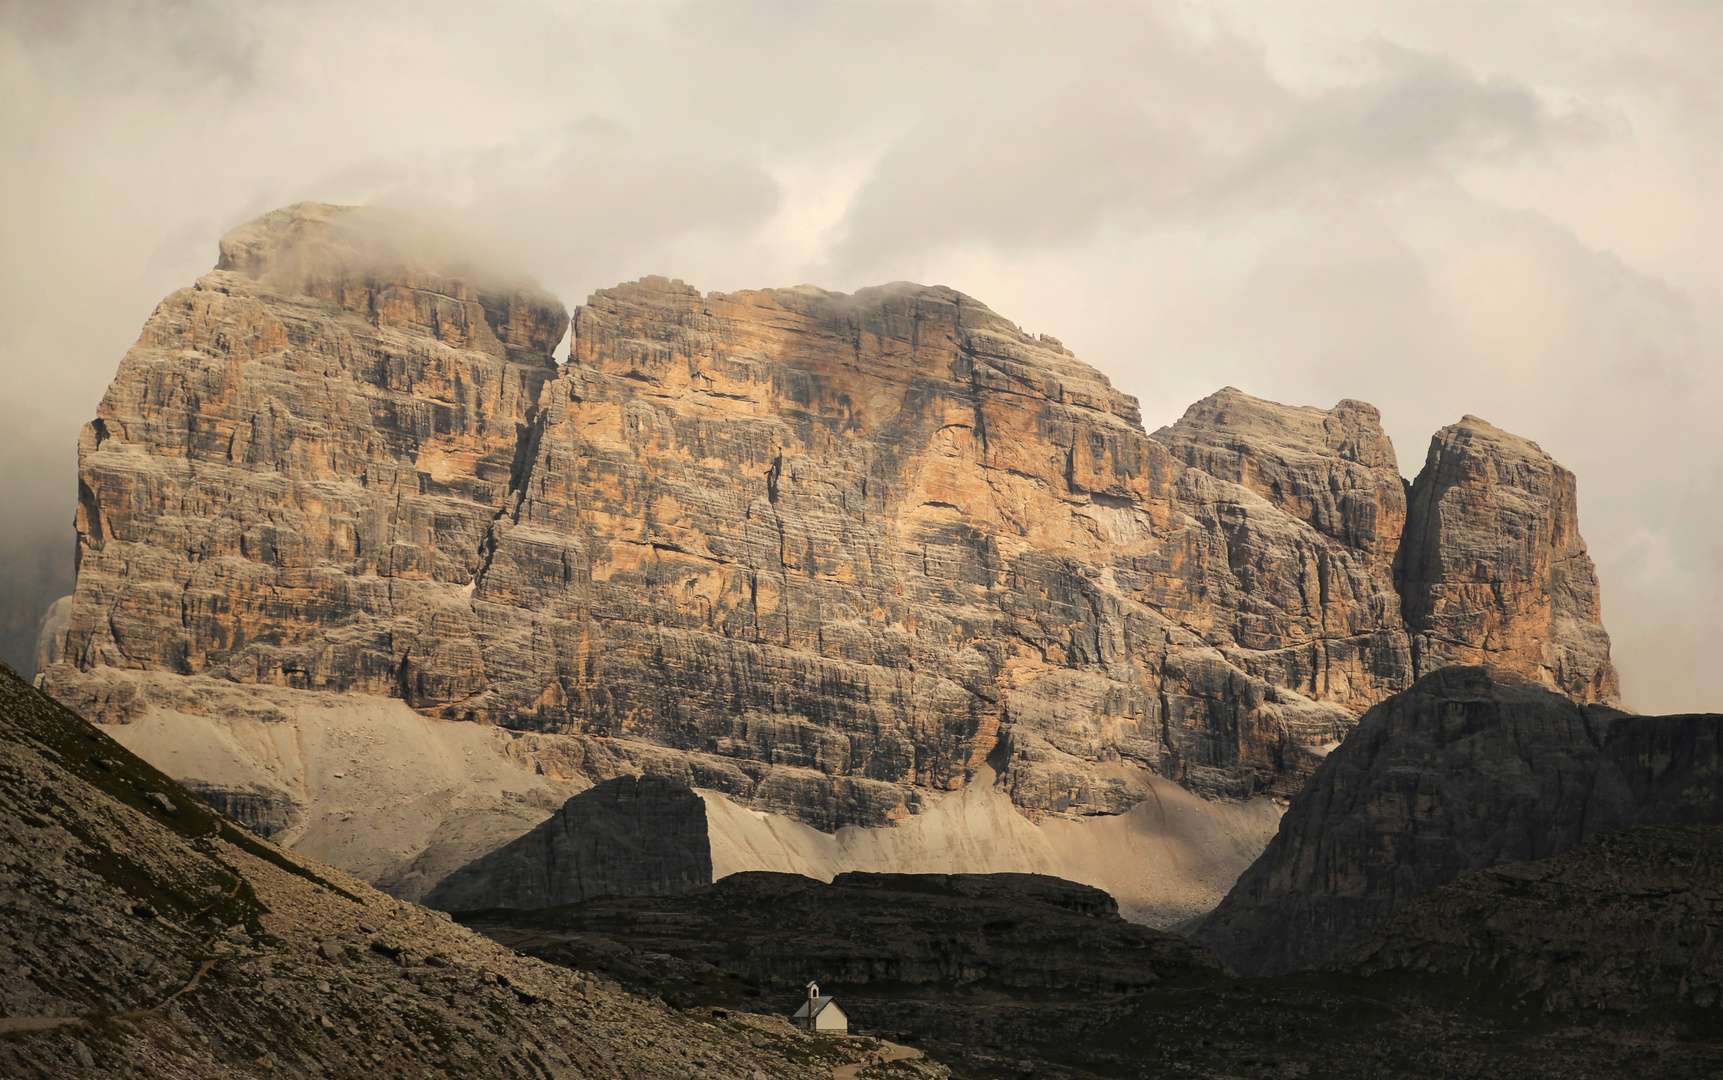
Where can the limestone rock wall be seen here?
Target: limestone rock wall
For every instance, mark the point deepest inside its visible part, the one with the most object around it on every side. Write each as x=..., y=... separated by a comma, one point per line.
x=1493, y=569
x=823, y=553
x=873, y=540
x=1333, y=469
x=291, y=478
x=1333, y=627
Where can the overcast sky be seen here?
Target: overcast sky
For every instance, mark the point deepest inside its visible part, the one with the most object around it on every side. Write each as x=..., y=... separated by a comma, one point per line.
x=1511, y=210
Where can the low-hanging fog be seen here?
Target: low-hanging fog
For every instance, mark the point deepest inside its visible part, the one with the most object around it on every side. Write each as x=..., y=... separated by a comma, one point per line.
x=1511, y=210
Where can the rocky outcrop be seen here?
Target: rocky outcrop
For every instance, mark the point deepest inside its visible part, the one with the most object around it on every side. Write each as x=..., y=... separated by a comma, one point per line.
x=1468, y=769
x=1600, y=962
x=1628, y=921
x=146, y=935
x=631, y=836
x=1332, y=469
x=1493, y=569
x=266, y=811
x=954, y=931
x=825, y=554
x=960, y=958
x=291, y=478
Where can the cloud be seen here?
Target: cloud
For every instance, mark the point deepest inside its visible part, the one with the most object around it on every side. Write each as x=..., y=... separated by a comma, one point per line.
x=185, y=45
x=1057, y=158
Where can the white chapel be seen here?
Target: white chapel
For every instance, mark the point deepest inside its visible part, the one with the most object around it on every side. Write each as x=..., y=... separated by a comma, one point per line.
x=820, y=1013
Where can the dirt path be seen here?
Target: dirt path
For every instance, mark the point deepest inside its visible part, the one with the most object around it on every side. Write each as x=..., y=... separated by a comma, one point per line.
x=10, y=1024
x=891, y=1052
x=197, y=977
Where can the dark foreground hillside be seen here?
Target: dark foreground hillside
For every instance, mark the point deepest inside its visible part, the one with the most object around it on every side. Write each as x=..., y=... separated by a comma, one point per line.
x=143, y=935
x=1603, y=962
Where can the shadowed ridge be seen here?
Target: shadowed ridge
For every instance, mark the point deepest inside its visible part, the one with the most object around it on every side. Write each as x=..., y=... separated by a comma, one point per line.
x=1470, y=768
x=1619, y=923
x=627, y=836
x=93, y=758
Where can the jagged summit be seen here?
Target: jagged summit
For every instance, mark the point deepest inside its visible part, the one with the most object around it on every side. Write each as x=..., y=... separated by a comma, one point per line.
x=320, y=248
x=1493, y=569
x=827, y=556
x=833, y=326
x=254, y=248
x=1333, y=469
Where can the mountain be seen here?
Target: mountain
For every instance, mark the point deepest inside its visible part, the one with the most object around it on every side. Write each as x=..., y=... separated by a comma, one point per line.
x=146, y=935
x=359, y=559
x=1470, y=768
x=1492, y=567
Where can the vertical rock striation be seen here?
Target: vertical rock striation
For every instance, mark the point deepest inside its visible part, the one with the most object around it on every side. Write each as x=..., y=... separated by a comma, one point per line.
x=1493, y=569
x=1333, y=470
x=873, y=540
x=827, y=554
x=291, y=478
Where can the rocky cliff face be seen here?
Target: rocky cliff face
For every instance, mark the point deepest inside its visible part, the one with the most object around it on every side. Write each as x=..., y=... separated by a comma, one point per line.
x=1493, y=569
x=824, y=554
x=631, y=836
x=1334, y=470
x=146, y=936
x=1468, y=769
x=869, y=541
x=291, y=478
